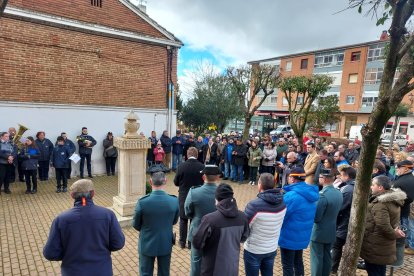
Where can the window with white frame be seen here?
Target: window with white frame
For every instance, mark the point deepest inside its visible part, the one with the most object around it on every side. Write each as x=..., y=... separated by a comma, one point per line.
x=273, y=99
x=329, y=59
x=376, y=52
x=350, y=99
x=284, y=101
x=369, y=101
x=332, y=127
x=373, y=75
x=299, y=100
x=353, y=78
x=288, y=66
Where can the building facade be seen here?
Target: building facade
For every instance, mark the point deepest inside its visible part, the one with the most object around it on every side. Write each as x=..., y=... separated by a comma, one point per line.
x=69, y=64
x=356, y=70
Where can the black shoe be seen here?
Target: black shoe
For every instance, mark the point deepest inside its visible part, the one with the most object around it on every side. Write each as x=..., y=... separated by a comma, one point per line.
x=27, y=192
x=81, y=176
x=90, y=176
x=7, y=192
x=189, y=245
x=34, y=191
x=69, y=177
x=225, y=178
x=182, y=245
x=64, y=190
x=108, y=174
x=21, y=180
x=113, y=173
x=58, y=190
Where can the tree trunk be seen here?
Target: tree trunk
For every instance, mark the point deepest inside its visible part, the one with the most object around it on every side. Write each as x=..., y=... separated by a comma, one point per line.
x=247, y=124
x=394, y=129
x=370, y=139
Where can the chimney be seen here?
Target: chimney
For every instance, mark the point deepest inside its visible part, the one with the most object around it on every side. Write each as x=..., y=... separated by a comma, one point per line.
x=142, y=5
x=384, y=36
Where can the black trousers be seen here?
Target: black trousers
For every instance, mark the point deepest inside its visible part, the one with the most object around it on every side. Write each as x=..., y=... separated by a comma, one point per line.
x=86, y=156
x=30, y=177
x=44, y=170
x=12, y=173
x=337, y=253
x=110, y=165
x=69, y=171
x=20, y=170
x=183, y=230
x=5, y=170
x=61, y=177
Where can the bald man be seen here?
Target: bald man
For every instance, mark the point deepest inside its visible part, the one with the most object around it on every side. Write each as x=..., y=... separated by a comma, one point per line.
x=292, y=162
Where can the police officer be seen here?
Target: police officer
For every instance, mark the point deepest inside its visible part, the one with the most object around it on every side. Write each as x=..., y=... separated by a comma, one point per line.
x=155, y=215
x=199, y=202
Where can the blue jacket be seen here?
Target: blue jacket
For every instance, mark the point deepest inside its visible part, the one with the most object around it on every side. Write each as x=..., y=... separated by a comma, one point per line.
x=227, y=153
x=155, y=215
x=83, y=149
x=83, y=239
x=45, y=148
x=29, y=157
x=60, y=157
x=300, y=200
x=70, y=145
x=178, y=148
x=166, y=143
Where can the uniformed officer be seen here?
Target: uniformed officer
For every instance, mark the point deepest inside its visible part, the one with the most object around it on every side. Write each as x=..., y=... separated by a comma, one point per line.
x=155, y=215
x=199, y=202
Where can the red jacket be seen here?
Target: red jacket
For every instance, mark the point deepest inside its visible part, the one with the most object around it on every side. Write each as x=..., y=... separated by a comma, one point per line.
x=159, y=154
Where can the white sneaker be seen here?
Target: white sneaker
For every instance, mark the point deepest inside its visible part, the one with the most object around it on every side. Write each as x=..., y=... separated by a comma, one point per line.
x=253, y=183
x=250, y=182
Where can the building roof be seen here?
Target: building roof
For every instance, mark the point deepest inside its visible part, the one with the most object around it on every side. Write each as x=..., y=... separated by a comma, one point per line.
x=364, y=44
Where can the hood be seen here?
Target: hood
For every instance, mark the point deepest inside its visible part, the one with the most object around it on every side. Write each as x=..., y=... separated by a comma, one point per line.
x=394, y=195
x=228, y=207
x=272, y=196
x=309, y=192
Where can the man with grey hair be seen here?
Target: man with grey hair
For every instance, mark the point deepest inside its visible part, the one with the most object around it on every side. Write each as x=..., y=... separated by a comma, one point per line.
x=155, y=215
x=84, y=236
x=292, y=162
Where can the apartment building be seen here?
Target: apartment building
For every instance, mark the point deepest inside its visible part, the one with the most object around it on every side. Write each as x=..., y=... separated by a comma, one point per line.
x=357, y=70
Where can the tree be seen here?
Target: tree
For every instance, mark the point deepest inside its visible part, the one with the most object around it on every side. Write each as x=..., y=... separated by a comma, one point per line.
x=399, y=55
x=401, y=111
x=248, y=82
x=325, y=112
x=301, y=92
x=213, y=102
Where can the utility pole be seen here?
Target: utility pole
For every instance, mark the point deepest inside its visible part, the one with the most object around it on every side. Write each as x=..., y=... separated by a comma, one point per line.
x=3, y=4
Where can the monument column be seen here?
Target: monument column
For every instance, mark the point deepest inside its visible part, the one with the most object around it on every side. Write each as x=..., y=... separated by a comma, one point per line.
x=132, y=156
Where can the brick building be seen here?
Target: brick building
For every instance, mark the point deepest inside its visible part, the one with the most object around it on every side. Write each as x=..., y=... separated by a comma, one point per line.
x=67, y=64
x=357, y=71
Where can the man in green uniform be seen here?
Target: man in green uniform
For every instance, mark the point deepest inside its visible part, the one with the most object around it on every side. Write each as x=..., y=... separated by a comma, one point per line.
x=199, y=202
x=155, y=215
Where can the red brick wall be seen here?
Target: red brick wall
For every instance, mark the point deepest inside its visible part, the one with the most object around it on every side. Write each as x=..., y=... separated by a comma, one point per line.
x=51, y=65
x=113, y=13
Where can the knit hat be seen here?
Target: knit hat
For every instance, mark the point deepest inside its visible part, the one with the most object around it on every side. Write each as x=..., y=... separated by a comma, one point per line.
x=224, y=191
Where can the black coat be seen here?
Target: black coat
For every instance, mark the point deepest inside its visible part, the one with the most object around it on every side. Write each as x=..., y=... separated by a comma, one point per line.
x=45, y=148
x=241, y=156
x=29, y=157
x=406, y=183
x=83, y=149
x=188, y=175
x=213, y=153
x=166, y=143
x=188, y=145
x=345, y=212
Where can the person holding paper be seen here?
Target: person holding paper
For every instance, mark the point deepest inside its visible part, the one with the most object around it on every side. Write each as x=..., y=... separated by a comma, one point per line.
x=72, y=149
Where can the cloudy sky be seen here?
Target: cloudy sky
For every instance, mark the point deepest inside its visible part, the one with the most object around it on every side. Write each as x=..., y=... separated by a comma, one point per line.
x=236, y=31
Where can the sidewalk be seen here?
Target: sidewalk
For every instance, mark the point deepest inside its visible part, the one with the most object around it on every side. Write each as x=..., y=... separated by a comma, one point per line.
x=25, y=221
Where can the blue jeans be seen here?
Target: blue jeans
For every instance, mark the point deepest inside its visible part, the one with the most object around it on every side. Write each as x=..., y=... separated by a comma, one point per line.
x=227, y=170
x=177, y=159
x=292, y=262
x=239, y=173
x=233, y=173
x=409, y=224
x=255, y=262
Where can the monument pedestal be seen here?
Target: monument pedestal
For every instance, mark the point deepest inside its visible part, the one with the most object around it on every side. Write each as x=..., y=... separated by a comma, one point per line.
x=132, y=156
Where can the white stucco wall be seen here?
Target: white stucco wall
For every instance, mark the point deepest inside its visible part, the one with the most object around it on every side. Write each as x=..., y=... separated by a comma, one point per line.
x=54, y=119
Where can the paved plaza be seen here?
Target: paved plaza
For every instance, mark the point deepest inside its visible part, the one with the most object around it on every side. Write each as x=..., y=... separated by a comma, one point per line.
x=25, y=221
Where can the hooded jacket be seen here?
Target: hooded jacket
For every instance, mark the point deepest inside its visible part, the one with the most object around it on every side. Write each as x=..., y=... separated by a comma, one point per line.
x=383, y=216
x=219, y=236
x=265, y=215
x=300, y=200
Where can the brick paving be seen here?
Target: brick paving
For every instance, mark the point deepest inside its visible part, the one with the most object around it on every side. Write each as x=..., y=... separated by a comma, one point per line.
x=25, y=221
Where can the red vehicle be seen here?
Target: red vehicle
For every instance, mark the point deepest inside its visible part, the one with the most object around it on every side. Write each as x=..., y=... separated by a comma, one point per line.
x=321, y=133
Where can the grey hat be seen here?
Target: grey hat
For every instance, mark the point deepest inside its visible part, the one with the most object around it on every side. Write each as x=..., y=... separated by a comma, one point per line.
x=82, y=186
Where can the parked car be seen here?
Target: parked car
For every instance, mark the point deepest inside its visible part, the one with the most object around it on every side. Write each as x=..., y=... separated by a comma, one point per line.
x=400, y=139
x=282, y=129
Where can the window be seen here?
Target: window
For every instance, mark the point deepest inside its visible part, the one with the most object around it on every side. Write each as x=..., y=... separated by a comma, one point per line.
x=329, y=59
x=96, y=3
x=353, y=78
x=273, y=99
x=299, y=100
x=304, y=63
x=284, y=101
x=332, y=127
x=373, y=75
x=350, y=99
x=288, y=66
x=376, y=52
x=356, y=56
x=369, y=101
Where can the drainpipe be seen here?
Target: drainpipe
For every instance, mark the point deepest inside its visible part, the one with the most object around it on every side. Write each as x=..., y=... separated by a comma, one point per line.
x=170, y=90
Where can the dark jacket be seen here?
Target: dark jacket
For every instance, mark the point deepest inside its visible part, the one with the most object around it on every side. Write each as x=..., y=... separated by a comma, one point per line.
x=241, y=155
x=70, y=145
x=213, y=153
x=6, y=149
x=345, y=212
x=150, y=151
x=351, y=155
x=60, y=157
x=83, y=149
x=166, y=143
x=288, y=167
x=45, y=148
x=405, y=182
x=29, y=157
x=178, y=148
x=109, y=149
x=383, y=216
x=200, y=146
x=188, y=175
x=83, y=239
x=155, y=215
x=188, y=145
x=265, y=215
x=219, y=237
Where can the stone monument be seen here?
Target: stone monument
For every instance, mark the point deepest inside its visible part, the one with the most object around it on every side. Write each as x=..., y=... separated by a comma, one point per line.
x=132, y=156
